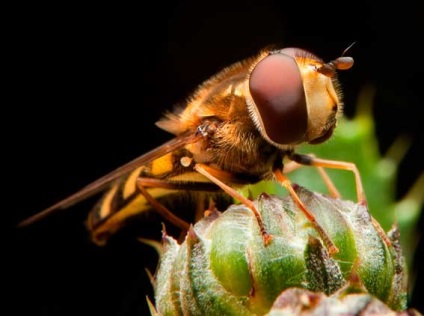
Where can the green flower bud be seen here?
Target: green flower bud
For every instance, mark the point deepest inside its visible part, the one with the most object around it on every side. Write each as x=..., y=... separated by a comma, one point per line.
x=224, y=268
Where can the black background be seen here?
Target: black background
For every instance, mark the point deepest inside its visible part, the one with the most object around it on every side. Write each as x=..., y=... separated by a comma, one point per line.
x=88, y=82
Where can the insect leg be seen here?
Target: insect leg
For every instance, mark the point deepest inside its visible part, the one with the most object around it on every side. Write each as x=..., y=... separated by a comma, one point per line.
x=332, y=249
x=214, y=175
x=162, y=210
x=142, y=183
x=343, y=165
x=293, y=165
x=317, y=162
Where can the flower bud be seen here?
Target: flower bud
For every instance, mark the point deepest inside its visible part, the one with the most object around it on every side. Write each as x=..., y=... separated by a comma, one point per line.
x=224, y=268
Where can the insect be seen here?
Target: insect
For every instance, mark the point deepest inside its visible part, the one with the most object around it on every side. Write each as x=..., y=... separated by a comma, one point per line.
x=238, y=128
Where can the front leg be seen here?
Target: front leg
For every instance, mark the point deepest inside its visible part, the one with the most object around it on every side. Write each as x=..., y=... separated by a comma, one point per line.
x=308, y=160
x=293, y=165
x=343, y=165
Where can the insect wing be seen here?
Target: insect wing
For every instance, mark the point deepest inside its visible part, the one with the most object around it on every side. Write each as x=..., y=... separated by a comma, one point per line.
x=104, y=182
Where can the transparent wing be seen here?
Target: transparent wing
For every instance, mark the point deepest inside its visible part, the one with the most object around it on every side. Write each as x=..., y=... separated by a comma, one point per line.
x=104, y=182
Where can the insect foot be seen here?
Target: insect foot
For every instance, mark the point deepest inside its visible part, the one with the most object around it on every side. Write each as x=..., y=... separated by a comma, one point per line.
x=224, y=268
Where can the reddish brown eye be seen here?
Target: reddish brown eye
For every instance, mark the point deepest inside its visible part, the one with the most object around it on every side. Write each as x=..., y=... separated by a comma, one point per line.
x=277, y=90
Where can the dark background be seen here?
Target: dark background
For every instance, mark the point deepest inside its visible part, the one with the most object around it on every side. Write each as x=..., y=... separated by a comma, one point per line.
x=88, y=82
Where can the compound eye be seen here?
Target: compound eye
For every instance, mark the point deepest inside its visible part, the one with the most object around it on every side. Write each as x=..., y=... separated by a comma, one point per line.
x=277, y=91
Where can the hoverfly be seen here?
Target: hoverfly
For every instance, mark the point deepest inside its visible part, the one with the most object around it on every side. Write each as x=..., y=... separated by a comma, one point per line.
x=236, y=129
